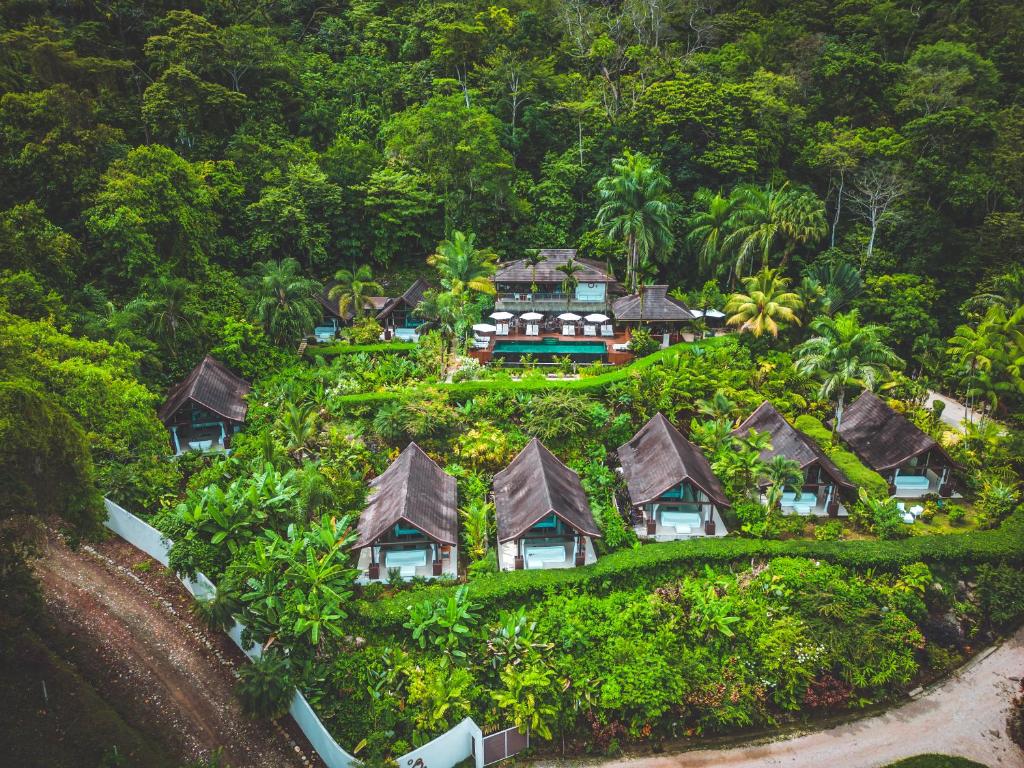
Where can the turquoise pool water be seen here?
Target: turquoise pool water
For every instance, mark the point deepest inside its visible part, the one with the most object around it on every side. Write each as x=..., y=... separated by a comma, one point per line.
x=550, y=346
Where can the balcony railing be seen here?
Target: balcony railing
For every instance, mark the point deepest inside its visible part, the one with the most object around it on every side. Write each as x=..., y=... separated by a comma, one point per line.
x=527, y=298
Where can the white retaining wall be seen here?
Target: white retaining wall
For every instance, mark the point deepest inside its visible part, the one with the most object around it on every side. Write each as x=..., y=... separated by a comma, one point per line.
x=445, y=751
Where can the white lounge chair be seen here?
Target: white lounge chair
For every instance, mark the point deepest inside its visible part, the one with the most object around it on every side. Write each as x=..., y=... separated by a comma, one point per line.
x=532, y=329
x=480, y=343
x=502, y=329
x=590, y=330
x=568, y=330
x=620, y=347
x=607, y=330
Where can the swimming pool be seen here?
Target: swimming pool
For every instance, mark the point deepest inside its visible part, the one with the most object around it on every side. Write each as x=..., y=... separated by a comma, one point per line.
x=550, y=346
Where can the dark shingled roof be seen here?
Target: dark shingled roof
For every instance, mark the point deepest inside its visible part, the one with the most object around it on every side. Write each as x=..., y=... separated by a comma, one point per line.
x=657, y=306
x=519, y=271
x=883, y=438
x=659, y=457
x=213, y=386
x=789, y=442
x=416, y=492
x=535, y=485
x=411, y=298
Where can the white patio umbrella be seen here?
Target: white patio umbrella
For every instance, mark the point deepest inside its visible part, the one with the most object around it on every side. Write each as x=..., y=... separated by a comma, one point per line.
x=569, y=317
x=484, y=328
x=597, y=317
x=697, y=312
x=714, y=313
x=501, y=315
x=531, y=316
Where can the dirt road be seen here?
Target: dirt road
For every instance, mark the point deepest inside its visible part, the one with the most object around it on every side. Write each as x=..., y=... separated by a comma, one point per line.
x=166, y=675
x=963, y=716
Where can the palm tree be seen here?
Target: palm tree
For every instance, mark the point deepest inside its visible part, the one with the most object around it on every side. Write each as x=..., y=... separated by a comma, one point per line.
x=719, y=406
x=971, y=352
x=163, y=308
x=354, y=289
x=766, y=217
x=534, y=258
x=635, y=208
x=843, y=353
x=463, y=266
x=441, y=312
x=287, y=305
x=766, y=306
x=841, y=283
x=569, y=282
x=779, y=472
x=298, y=423
x=709, y=226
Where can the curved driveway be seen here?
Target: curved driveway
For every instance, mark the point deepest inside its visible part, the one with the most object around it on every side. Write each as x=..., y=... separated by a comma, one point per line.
x=964, y=716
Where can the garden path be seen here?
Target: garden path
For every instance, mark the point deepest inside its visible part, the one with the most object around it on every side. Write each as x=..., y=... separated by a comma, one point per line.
x=964, y=716
x=955, y=412
x=139, y=645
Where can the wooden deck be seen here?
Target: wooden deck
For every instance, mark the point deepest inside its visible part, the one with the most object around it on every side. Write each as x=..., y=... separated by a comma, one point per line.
x=518, y=334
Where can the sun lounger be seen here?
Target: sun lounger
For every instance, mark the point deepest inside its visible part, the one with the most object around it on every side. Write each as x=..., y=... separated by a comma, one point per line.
x=568, y=330
x=620, y=347
x=480, y=343
x=590, y=330
x=607, y=330
x=502, y=329
x=532, y=329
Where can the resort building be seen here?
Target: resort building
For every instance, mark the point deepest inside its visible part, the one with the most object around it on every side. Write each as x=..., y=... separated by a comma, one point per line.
x=672, y=489
x=824, y=486
x=394, y=313
x=397, y=316
x=544, y=520
x=654, y=309
x=411, y=524
x=206, y=409
x=515, y=282
x=911, y=461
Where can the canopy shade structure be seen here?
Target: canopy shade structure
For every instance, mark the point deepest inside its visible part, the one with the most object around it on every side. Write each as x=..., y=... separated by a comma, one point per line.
x=531, y=316
x=501, y=315
x=484, y=328
x=569, y=317
x=714, y=313
x=697, y=312
x=597, y=317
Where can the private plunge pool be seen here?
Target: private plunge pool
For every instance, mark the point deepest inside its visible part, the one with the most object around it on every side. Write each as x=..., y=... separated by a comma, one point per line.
x=550, y=347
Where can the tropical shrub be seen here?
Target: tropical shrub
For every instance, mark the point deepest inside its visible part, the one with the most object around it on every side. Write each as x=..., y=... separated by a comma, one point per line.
x=265, y=687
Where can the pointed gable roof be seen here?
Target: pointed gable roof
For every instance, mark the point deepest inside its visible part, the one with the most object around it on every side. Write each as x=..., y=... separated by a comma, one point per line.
x=520, y=271
x=790, y=442
x=656, y=306
x=883, y=438
x=659, y=458
x=411, y=298
x=414, y=491
x=535, y=485
x=210, y=385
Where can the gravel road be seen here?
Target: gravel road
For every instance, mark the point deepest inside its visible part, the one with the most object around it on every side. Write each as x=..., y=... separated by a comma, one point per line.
x=165, y=674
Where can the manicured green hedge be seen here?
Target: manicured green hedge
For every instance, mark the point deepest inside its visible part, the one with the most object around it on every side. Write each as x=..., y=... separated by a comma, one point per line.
x=852, y=467
x=651, y=564
x=343, y=348
x=936, y=761
x=466, y=389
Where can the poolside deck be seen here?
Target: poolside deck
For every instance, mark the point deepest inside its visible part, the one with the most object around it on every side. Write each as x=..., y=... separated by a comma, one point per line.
x=519, y=334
